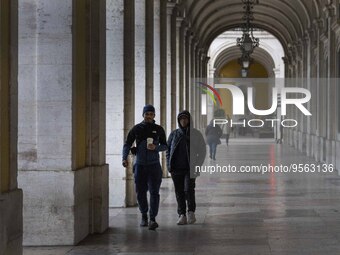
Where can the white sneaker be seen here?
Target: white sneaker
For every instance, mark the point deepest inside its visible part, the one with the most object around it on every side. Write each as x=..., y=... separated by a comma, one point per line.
x=191, y=218
x=182, y=220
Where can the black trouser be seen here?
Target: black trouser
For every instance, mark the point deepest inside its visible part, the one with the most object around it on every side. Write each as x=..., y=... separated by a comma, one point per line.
x=185, y=192
x=148, y=178
x=227, y=138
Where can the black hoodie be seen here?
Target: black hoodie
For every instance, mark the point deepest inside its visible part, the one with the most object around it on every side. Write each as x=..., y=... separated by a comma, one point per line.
x=179, y=157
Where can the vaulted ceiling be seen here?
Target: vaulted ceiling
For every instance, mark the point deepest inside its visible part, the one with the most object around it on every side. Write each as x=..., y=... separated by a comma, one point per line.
x=288, y=20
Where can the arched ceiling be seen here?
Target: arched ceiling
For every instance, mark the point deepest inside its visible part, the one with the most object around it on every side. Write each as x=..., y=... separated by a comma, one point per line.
x=288, y=20
x=259, y=55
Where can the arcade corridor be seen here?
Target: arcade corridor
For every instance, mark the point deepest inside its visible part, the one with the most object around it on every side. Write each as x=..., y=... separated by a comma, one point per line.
x=75, y=76
x=269, y=214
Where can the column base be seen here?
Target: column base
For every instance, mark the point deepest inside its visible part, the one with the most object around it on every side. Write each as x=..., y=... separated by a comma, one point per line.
x=117, y=187
x=11, y=225
x=301, y=141
x=63, y=207
x=309, y=145
x=330, y=151
x=337, y=156
x=100, y=207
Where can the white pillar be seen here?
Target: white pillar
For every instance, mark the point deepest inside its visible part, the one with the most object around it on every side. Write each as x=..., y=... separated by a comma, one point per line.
x=115, y=99
x=129, y=90
x=210, y=103
x=169, y=9
x=45, y=149
x=187, y=83
x=69, y=144
x=140, y=69
x=157, y=60
x=331, y=88
x=179, y=88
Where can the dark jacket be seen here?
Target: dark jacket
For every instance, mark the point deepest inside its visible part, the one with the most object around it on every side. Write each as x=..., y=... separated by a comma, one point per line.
x=140, y=133
x=213, y=134
x=194, y=145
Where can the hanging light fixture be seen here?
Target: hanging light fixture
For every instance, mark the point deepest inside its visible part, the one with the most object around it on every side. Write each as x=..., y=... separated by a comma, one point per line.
x=247, y=42
x=245, y=61
x=244, y=72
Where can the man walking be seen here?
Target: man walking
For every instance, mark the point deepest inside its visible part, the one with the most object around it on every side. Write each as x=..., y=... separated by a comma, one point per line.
x=150, y=140
x=186, y=149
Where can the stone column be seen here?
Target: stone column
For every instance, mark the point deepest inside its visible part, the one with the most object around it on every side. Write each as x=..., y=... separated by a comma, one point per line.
x=115, y=99
x=96, y=133
x=179, y=67
x=156, y=61
x=160, y=69
x=199, y=77
x=187, y=79
x=193, y=89
x=174, y=68
x=140, y=58
x=182, y=32
x=318, y=141
x=11, y=224
x=331, y=88
x=323, y=85
x=169, y=68
x=334, y=92
x=308, y=64
x=204, y=61
x=149, y=51
x=313, y=90
x=130, y=88
x=67, y=139
x=210, y=103
x=301, y=80
x=285, y=136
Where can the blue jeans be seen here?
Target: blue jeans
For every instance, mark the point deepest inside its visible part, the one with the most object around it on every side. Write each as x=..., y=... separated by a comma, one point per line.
x=148, y=178
x=212, y=148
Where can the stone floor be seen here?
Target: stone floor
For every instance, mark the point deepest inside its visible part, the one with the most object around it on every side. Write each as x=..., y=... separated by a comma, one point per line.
x=238, y=213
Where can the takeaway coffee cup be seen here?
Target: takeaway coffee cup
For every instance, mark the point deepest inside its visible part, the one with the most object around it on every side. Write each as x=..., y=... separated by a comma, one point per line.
x=149, y=140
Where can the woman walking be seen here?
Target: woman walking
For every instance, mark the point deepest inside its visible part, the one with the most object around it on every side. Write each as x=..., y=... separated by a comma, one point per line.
x=213, y=134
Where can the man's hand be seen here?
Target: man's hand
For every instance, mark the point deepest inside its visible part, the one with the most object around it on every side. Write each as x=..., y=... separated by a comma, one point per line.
x=125, y=163
x=151, y=146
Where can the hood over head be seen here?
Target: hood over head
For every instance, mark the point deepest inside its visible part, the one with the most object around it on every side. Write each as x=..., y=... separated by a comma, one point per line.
x=186, y=114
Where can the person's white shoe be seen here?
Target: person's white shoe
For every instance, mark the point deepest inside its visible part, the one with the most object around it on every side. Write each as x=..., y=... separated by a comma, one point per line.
x=191, y=218
x=182, y=220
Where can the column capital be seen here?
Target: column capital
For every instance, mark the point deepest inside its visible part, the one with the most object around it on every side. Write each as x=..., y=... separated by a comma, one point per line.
x=170, y=7
x=318, y=23
x=179, y=21
x=336, y=29
x=192, y=36
x=186, y=27
x=291, y=52
x=212, y=71
x=202, y=53
x=305, y=39
x=195, y=41
x=307, y=36
x=299, y=48
x=189, y=34
x=329, y=10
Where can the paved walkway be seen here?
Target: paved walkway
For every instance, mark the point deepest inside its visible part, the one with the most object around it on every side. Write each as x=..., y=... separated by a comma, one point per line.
x=237, y=213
